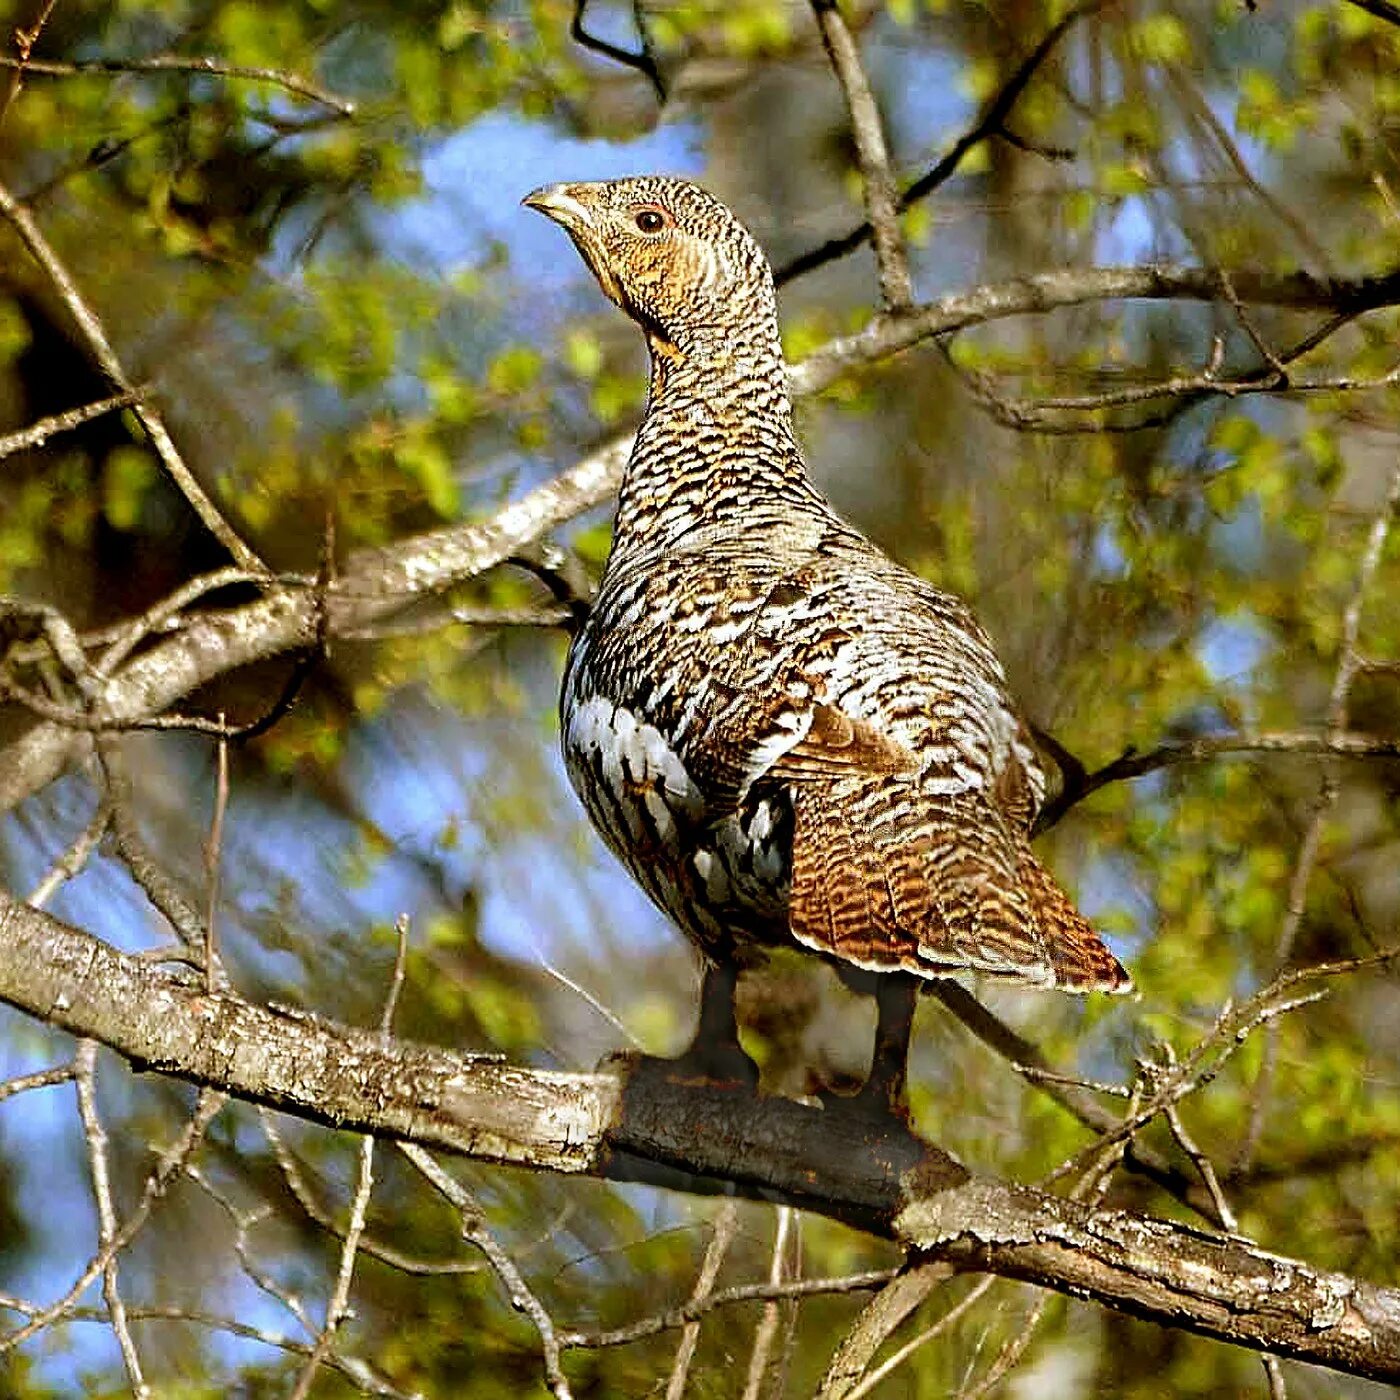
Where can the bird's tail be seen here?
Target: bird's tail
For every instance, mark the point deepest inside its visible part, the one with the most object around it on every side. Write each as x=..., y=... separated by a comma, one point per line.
x=892, y=878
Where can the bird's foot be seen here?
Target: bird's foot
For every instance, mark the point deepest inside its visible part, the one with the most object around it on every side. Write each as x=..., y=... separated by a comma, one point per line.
x=880, y=1097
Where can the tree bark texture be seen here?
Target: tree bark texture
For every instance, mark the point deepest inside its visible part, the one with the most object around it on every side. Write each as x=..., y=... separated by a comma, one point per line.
x=635, y=1122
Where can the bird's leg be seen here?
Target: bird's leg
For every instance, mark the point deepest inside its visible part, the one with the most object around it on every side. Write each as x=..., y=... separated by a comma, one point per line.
x=715, y=1052
x=895, y=998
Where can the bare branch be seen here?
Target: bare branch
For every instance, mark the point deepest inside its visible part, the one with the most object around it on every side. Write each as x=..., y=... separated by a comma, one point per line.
x=169, y=1165
x=25, y=39
x=339, y=1302
x=727, y=1297
x=721, y=1236
x=85, y=1064
x=881, y=203
x=643, y=62
x=39, y=1079
x=38, y=433
x=193, y=65
x=990, y=122
x=100, y=348
x=473, y=1228
x=765, y=1334
x=1349, y=664
x=1134, y=764
x=846, y=1374
x=1381, y=9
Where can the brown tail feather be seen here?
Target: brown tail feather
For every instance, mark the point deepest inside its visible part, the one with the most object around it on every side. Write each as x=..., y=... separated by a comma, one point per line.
x=885, y=877
x=1081, y=961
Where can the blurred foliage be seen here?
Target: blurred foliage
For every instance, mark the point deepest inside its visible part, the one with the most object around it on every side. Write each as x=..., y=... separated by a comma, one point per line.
x=270, y=263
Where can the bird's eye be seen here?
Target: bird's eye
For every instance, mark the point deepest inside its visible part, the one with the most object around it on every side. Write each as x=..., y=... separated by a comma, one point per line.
x=649, y=220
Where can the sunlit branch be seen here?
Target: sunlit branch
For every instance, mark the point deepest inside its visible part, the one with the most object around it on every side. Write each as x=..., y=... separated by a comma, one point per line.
x=877, y=179
x=195, y=66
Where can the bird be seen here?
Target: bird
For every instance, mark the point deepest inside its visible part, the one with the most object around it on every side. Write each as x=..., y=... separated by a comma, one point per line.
x=785, y=736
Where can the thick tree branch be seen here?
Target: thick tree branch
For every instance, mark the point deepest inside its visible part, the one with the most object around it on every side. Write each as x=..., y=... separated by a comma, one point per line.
x=638, y=1124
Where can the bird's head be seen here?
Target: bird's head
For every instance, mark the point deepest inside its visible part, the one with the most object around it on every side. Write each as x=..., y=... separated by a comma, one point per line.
x=669, y=254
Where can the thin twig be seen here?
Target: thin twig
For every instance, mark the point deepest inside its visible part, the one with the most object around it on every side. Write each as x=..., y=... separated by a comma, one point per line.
x=767, y=1330
x=74, y=858
x=85, y=1064
x=95, y=338
x=195, y=66
x=990, y=123
x=643, y=62
x=1349, y=664
x=473, y=1228
x=352, y=1369
x=1381, y=9
x=40, y=431
x=169, y=1165
x=727, y=1297
x=339, y=1303
x=25, y=39
x=338, y=1306
x=877, y=179
x=1134, y=764
x=722, y=1234
x=38, y=1079
x=896, y=1359
x=214, y=859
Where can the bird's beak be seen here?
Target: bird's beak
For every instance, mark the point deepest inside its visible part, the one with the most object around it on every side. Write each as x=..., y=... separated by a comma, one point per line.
x=562, y=204
x=559, y=203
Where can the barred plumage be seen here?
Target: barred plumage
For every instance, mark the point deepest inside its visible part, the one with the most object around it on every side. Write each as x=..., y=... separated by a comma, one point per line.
x=783, y=734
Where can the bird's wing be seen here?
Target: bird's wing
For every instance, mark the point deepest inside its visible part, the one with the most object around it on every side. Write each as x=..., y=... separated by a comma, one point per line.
x=909, y=837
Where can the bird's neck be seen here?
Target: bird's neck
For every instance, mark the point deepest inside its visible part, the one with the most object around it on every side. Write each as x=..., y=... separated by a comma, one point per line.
x=717, y=437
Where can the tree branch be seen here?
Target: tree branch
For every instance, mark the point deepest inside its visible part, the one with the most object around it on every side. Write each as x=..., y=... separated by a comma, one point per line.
x=377, y=584
x=179, y=63
x=881, y=201
x=990, y=122
x=94, y=337
x=638, y=1124
x=1080, y=783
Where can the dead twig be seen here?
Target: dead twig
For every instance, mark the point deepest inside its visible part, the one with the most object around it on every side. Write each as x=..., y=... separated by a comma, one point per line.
x=721, y=1236
x=99, y=347
x=193, y=65
x=1349, y=664
x=991, y=122
x=474, y=1230
x=877, y=179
